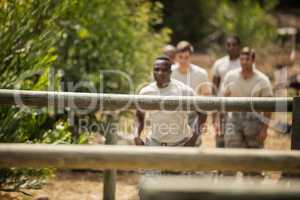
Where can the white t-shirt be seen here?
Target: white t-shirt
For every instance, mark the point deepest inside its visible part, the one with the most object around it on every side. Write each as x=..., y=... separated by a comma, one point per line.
x=224, y=65
x=168, y=126
x=257, y=86
x=196, y=77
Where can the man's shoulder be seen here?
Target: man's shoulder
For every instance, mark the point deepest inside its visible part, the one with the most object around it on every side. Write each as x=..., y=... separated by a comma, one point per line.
x=235, y=73
x=174, y=67
x=261, y=76
x=185, y=89
x=221, y=60
x=178, y=83
x=265, y=83
x=199, y=70
x=151, y=87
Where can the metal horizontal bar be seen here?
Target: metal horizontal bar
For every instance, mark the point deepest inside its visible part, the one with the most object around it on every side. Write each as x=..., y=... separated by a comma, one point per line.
x=124, y=102
x=139, y=157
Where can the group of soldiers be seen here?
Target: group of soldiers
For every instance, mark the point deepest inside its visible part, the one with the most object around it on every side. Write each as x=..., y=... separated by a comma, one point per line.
x=234, y=75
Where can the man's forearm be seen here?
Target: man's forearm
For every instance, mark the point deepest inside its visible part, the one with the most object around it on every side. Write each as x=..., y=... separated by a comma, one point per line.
x=140, y=116
x=267, y=115
x=197, y=126
x=216, y=83
x=140, y=129
x=201, y=120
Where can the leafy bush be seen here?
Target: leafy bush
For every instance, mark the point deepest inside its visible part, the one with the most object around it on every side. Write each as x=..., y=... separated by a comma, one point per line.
x=72, y=39
x=109, y=35
x=189, y=20
x=206, y=23
x=248, y=19
x=108, y=45
x=25, y=42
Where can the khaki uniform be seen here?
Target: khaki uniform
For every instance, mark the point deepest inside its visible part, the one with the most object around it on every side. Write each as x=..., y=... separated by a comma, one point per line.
x=196, y=78
x=168, y=127
x=220, y=68
x=242, y=128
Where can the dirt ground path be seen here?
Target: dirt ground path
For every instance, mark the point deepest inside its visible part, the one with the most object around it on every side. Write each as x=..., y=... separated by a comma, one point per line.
x=68, y=185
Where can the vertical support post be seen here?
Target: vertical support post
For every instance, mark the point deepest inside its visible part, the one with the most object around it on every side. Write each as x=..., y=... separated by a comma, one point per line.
x=295, y=140
x=110, y=176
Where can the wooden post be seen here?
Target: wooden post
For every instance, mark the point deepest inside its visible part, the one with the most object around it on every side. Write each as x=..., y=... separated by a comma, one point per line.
x=97, y=157
x=295, y=143
x=192, y=188
x=110, y=176
x=295, y=139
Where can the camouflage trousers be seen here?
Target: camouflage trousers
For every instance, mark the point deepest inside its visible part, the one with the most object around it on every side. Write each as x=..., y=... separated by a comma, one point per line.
x=242, y=129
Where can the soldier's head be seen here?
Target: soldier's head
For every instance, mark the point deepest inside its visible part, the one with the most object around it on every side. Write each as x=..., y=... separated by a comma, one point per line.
x=170, y=51
x=247, y=57
x=184, y=52
x=162, y=71
x=233, y=46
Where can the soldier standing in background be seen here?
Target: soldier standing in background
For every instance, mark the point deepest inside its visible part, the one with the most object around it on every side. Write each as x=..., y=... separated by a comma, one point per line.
x=191, y=75
x=219, y=70
x=168, y=128
x=184, y=71
x=246, y=129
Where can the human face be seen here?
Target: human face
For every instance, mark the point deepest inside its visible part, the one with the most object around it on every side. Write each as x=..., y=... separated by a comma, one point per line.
x=246, y=61
x=233, y=48
x=184, y=58
x=162, y=72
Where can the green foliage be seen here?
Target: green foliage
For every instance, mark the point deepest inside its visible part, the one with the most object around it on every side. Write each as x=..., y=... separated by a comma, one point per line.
x=108, y=45
x=109, y=35
x=189, y=20
x=74, y=40
x=248, y=19
x=207, y=23
x=26, y=37
x=23, y=178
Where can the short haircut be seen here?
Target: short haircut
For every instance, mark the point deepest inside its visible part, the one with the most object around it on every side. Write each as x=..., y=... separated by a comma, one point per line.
x=183, y=46
x=169, y=49
x=165, y=58
x=248, y=51
x=234, y=37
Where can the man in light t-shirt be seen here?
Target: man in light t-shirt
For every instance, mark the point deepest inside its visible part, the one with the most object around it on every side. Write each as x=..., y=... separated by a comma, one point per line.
x=189, y=74
x=192, y=75
x=219, y=70
x=246, y=129
x=168, y=128
x=227, y=63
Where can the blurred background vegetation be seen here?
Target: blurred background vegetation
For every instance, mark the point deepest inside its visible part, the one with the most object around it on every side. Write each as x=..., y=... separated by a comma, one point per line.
x=47, y=44
x=207, y=22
